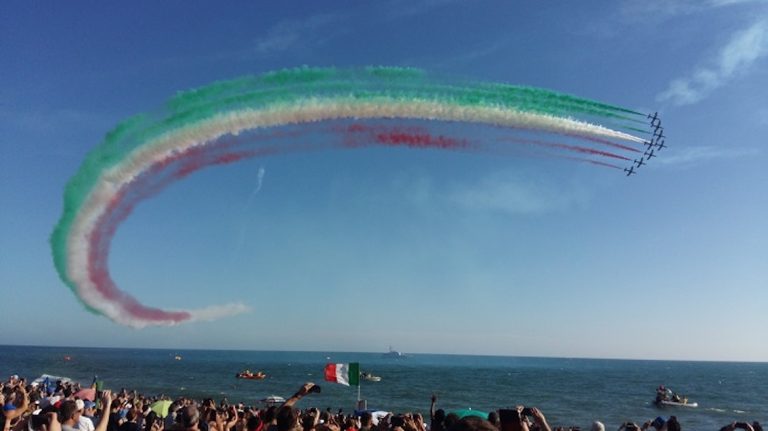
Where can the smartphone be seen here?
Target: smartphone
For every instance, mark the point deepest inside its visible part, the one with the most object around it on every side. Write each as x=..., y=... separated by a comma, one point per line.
x=315, y=389
x=527, y=411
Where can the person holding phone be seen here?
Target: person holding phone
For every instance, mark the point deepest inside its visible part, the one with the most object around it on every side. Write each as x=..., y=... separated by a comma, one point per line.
x=514, y=419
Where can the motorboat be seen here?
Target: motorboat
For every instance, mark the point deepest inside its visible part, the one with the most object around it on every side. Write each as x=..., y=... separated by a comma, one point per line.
x=370, y=377
x=683, y=403
x=247, y=375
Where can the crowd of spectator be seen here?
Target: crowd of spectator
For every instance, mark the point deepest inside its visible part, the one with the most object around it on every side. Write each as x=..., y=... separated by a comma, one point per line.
x=55, y=406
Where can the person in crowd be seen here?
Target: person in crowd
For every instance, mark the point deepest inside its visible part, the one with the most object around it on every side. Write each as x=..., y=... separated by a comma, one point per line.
x=85, y=423
x=493, y=418
x=189, y=418
x=672, y=424
x=366, y=421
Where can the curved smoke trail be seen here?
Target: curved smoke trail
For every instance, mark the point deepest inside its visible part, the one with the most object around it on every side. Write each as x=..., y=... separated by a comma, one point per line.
x=199, y=128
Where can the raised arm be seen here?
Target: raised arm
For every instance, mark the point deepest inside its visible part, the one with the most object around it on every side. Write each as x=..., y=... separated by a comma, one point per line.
x=106, y=405
x=304, y=390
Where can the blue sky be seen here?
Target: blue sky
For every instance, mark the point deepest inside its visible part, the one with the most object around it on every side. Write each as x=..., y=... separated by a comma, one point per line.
x=426, y=251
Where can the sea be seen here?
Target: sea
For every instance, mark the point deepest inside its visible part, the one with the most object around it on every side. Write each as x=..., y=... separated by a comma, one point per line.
x=570, y=392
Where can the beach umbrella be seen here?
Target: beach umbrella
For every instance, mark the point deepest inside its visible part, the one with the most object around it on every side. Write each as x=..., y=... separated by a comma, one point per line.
x=86, y=394
x=161, y=407
x=469, y=412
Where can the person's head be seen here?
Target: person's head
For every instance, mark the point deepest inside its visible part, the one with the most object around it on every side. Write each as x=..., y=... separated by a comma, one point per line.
x=756, y=426
x=597, y=426
x=366, y=419
x=189, y=417
x=450, y=420
x=89, y=408
x=253, y=423
x=673, y=424
x=287, y=418
x=269, y=414
x=493, y=417
x=68, y=411
x=131, y=415
x=439, y=415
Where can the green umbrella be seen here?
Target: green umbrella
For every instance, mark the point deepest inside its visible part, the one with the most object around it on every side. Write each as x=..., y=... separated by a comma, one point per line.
x=469, y=412
x=161, y=407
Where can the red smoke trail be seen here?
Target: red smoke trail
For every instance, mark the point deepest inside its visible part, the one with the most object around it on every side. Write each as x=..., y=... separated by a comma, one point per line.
x=413, y=137
x=122, y=205
x=604, y=142
x=576, y=148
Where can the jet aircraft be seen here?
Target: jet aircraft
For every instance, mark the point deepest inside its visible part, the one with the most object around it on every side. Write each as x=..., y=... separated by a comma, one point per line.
x=653, y=117
x=660, y=144
x=648, y=154
x=639, y=162
x=630, y=170
x=659, y=134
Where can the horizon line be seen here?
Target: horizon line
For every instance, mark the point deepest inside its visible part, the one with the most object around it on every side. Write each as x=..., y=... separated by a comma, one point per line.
x=406, y=354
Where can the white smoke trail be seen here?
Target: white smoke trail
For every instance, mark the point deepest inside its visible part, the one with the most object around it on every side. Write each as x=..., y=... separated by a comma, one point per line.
x=309, y=110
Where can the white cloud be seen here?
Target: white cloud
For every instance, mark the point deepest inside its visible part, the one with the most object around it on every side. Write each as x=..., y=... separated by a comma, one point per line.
x=514, y=195
x=741, y=52
x=661, y=10
x=288, y=34
x=694, y=155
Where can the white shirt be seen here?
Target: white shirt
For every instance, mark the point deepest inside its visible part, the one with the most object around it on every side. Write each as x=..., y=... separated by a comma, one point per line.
x=85, y=424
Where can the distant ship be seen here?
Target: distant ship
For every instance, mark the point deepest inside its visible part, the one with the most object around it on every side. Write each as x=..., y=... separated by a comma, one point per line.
x=394, y=354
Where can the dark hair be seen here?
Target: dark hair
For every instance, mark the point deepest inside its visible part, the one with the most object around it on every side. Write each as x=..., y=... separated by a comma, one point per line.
x=366, y=419
x=67, y=410
x=286, y=418
x=439, y=415
x=253, y=423
x=673, y=424
x=450, y=420
x=493, y=417
x=269, y=414
x=473, y=423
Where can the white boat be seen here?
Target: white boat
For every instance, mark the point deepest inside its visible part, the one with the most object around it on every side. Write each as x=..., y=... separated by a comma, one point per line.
x=51, y=380
x=665, y=403
x=370, y=377
x=273, y=400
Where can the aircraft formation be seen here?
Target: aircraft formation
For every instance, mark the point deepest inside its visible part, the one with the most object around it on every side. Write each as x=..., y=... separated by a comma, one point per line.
x=654, y=144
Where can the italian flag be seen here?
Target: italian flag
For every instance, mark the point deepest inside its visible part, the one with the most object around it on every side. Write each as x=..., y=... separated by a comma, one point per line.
x=346, y=374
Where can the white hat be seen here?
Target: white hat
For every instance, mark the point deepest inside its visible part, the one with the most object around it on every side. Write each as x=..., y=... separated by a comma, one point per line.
x=597, y=426
x=80, y=404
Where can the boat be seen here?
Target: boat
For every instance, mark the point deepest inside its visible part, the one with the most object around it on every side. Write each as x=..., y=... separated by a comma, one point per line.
x=669, y=403
x=370, y=377
x=177, y=357
x=665, y=397
x=392, y=353
x=273, y=400
x=51, y=380
x=247, y=375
